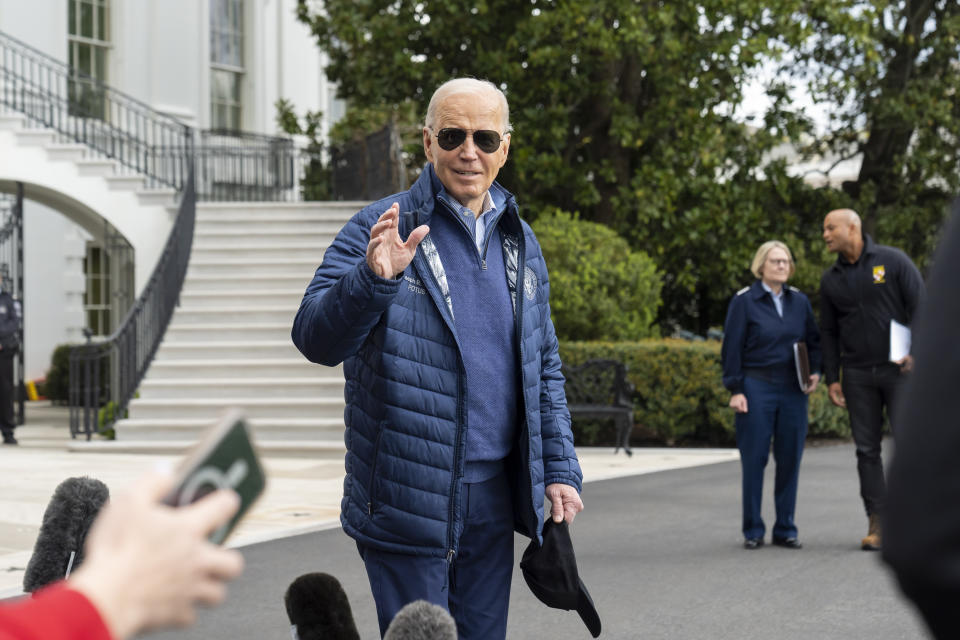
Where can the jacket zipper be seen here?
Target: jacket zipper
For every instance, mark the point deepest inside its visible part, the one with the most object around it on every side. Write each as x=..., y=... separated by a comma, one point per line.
x=430, y=282
x=519, y=293
x=481, y=254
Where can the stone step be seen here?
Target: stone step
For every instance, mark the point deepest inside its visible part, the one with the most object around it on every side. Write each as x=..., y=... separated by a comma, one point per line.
x=278, y=224
x=251, y=265
x=312, y=449
x=157, y=197
x=214, y=332
x=12, y=121
x=236, y=368
x=272, y=238
x=101, y=167
x=210, y=408
x=173, y=349
x=69, y=152
x=41, y=137
x=304, y=251
x=263, y=429
x=293, y=281
x=125, y=182
x=331, y=211
x=236, y=314
x=289, y=298
x=272, y=387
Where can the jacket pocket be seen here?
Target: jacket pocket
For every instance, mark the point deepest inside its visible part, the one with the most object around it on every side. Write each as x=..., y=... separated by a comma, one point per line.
x=371, y=485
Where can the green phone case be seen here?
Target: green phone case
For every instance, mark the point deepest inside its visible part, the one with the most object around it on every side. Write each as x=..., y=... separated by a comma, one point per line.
x=224, y=459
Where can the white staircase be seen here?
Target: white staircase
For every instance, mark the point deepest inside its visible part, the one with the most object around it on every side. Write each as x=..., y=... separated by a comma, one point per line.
x=228, y=344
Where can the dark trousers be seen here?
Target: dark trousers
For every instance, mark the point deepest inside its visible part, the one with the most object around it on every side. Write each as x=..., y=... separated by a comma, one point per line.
x=868, y=391
x=7, y=424
x=475, y=587
x=777, y=412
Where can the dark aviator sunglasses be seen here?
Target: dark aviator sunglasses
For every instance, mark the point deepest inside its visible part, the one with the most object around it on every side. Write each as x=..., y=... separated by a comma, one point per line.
x=449, y=138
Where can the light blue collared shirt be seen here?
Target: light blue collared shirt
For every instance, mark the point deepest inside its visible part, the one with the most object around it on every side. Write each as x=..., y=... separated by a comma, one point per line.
x=478, y=225
x=777, y=297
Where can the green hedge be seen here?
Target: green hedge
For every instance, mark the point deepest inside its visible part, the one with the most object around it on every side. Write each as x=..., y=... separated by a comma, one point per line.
x=58, y=375
x=679, y=398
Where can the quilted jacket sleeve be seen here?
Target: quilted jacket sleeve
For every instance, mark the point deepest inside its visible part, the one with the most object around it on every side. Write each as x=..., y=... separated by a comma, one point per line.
x=560, y=462
x=344, y=301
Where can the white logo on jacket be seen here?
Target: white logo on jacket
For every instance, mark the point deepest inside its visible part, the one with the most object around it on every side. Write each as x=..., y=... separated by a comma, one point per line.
x=530, y=282
x=415, y=285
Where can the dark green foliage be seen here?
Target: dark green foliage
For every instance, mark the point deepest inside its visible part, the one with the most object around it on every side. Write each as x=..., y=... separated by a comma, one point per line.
x=58, y=375
x=599, y=288
x=624, y=110
x=679, y=398
x=106, y=417
x=317, y=178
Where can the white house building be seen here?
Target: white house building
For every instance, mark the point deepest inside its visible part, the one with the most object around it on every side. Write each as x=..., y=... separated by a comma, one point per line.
x=213, y=65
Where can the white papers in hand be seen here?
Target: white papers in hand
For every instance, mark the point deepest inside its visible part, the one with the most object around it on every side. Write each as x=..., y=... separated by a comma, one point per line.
x=899, y=341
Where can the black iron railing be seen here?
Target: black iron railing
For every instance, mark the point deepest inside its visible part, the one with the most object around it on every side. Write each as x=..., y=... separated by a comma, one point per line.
x=82, y=109
x=105, y=375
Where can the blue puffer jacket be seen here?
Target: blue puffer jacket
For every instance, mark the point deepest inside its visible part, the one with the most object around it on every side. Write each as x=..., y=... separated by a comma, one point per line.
x=406, y=385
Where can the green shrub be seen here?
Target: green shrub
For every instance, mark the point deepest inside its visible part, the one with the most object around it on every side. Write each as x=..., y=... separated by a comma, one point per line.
x=58, y=375
x=107, y=415
x=599, y=288
x=679, y=398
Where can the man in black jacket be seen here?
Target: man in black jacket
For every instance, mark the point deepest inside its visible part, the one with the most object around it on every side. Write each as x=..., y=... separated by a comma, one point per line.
x=860, y=294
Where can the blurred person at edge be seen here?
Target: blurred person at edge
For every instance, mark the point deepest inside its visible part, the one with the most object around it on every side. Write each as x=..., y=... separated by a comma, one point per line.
x=147, y=567
x=763, y=323
x=457, y=422
x=868, y=286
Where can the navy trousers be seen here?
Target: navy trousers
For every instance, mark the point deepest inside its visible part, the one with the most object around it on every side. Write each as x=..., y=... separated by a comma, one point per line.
x=777, y=412
x=475, y=587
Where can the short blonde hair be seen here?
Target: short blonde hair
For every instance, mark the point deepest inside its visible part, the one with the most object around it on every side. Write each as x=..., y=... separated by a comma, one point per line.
x=761, y=256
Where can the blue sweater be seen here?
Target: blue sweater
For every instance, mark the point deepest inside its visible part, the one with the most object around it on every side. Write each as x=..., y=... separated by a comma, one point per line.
x=483, y=317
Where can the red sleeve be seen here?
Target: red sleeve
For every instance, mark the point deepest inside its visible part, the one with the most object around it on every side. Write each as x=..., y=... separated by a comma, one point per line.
x=52, y=613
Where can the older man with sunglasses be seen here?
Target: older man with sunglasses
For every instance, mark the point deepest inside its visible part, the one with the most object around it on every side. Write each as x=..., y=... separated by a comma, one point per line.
x=436, y=300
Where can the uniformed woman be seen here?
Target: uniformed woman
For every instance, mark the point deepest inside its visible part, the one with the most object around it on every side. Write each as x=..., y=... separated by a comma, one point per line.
x=764, y=322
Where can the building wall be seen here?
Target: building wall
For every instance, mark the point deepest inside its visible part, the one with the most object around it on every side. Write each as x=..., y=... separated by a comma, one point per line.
x=53, y=285
x=160, y=56
x=161, y=51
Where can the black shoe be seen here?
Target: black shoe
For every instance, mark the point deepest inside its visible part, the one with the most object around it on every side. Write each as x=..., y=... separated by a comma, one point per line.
x=753, y=543
x=9, y=440
x=789, y=543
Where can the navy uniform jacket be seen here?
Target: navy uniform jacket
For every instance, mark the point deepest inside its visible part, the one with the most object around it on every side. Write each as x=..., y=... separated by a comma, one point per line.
x=756, y=337
x=857, y=302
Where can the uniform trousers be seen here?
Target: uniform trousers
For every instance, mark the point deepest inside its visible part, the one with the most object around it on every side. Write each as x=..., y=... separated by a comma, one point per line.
x=7, y=424
x=868, y=390
x=776, y=411
x=474, y=587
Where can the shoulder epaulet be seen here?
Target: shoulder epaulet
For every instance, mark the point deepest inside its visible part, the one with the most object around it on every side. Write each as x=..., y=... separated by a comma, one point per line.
x=793, y=288
x=744, y=290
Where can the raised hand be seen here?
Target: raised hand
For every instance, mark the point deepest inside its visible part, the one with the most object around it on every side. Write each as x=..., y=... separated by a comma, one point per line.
x=387, y=254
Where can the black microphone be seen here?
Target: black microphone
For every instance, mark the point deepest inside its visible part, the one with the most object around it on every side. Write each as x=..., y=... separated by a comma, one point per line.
x=59, y=546
x=318, y=609
x=421, y=620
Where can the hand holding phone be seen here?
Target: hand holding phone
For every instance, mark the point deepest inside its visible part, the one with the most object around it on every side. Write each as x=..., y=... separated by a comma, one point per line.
x=224, y=458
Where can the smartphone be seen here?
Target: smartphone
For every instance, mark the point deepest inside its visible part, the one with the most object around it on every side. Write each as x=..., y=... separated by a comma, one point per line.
x=225, y=458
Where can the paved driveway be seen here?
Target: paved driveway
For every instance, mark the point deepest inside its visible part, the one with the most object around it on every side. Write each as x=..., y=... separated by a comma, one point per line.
x=661, y=555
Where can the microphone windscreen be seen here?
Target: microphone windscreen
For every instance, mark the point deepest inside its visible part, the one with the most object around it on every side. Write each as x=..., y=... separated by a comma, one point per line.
x=69, y=515
x=421, y=620
x=318, y=609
